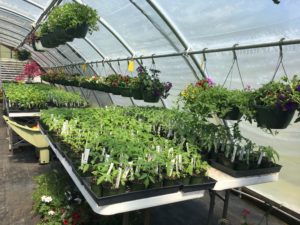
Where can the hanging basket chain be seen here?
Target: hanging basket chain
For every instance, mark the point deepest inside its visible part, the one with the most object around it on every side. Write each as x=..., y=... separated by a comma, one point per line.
x=234, y=61
x=280, y=61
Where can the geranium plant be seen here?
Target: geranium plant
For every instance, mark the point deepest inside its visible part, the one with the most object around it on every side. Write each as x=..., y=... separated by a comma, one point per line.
x=207, y=99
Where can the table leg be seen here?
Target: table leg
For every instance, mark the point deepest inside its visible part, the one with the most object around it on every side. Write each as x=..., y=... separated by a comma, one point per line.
x=212, y=196
x=125, y=218
x=226, y=202
x=147, y=217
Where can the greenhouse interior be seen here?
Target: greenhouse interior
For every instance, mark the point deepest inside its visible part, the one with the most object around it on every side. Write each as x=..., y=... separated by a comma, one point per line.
x=150, y=112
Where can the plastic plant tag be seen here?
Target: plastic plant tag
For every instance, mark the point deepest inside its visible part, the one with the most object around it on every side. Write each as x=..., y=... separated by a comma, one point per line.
x=131, y=66
x=180, y=161
x=172, y=167
x=234, y=153
x=118, y=178
x=85, y=156
x=262, y=154
x=187, y=146
x=64, y=128
x=110, y=168
x=242, y=151
x=176, y=164
x=158, y=149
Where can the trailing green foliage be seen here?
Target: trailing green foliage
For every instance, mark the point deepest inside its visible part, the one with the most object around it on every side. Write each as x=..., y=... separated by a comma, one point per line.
x=39, y=96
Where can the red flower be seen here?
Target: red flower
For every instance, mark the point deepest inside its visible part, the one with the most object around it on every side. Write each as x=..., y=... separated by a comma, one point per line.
x=246, y=212
x=76, y=216
x=66, y=222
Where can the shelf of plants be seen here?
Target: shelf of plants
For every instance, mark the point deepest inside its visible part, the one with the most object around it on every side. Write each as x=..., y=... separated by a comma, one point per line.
x=26, y=100
x=145, y=86
x=125, y=159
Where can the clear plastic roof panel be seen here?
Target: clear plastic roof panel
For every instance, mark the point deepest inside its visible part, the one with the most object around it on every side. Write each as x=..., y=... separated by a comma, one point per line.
x=132, y=26
x=21, y=7
x=222, y=23
x=85, y=50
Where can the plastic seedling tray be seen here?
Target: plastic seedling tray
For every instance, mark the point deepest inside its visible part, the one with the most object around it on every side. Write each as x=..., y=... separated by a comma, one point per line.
x=208, y=183
x=245, y=173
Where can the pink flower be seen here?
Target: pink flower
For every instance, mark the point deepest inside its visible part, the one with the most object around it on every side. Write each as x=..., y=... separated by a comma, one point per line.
x=246, y=212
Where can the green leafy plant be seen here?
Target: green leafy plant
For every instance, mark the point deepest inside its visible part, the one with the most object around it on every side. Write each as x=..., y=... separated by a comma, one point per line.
x=22, y=55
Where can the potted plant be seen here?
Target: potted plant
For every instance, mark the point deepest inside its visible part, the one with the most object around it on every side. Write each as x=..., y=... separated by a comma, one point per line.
x=276, y=102
x=22, y=55
x=152, y=87
x=113, y=83
x=135, y=86
x=73, y=20
x=207, y=99
x=124, y=86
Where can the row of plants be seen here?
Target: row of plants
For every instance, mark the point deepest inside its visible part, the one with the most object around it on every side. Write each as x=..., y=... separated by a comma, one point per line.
x=66, y=22
x=127, y=153
x=146, y=86
x=22, y=96
x=134, y=148
x=272, y=106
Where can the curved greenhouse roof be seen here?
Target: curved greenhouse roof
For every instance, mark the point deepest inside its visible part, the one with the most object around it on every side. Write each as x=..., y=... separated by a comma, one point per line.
x=238, y=41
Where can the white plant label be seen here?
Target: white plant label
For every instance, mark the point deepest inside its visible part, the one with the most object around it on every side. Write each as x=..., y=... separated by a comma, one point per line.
x=242, y=151
x=119, y=177
x=64, y=129
x=260, y=158
x=85, y=156
x=110, y=168
x=180, y=161
x=233, y=154
x=158, y=149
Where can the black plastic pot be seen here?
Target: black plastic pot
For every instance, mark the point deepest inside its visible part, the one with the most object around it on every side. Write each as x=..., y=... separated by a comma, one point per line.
x=234, y=114
x=115, y=90
x=79, y=31
x=125, y=92
x=48, y=41
x=245, y=173
x=148, y=96
x=273, y=118
x=62, y=36
x=137, y=94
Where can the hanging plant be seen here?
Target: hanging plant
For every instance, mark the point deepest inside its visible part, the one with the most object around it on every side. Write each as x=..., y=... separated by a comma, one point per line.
x=276, y=102
x=71, y=20
x=22, y=55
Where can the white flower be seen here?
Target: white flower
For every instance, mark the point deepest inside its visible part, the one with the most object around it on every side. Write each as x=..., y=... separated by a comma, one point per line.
x=51, y=213
x=46, y=199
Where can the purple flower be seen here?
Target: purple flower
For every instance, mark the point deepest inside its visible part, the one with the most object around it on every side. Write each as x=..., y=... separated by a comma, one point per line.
x=289, y=106
x=141, y=69
x=288, y=88
x=281, y=96
x=298, y=88
x=210, y=81
x=168, y=86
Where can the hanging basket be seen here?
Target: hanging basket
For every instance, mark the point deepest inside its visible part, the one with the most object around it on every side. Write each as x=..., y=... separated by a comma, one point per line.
x=48, y=41
x=79, y=31
x=273, y=118
x=125, y=92
x=137, y=94
x=62, y=36
x=148, y=96
x=234, y=114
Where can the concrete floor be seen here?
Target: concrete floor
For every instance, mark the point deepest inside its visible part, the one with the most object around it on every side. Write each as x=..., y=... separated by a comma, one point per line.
x=16, y=186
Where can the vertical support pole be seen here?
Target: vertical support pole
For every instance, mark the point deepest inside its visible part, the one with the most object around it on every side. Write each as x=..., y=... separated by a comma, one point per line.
x=147, y=217
x=226, y=203
x=212, y=196
x=125, y=218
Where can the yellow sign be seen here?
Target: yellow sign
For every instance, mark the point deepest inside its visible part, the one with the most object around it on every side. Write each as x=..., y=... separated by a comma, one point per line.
x=131, y=66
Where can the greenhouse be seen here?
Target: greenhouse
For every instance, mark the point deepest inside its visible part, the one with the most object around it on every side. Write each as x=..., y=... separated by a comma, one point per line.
x=153, y=112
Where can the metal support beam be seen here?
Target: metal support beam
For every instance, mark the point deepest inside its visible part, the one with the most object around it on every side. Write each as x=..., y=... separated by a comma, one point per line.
x=176, y=54
x=176, y=32
x=34, y=4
